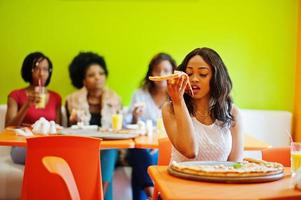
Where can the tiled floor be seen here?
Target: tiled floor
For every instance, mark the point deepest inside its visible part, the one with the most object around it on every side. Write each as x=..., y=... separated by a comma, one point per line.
x=122, y=184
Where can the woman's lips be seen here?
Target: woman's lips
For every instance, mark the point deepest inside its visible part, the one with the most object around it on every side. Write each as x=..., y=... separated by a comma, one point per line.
x=195, y=88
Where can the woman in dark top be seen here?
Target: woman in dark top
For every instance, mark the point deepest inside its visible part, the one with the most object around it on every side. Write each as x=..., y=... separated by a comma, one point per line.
x=93, y=104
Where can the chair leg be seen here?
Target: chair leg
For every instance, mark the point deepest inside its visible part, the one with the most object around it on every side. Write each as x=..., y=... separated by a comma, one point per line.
x=155, y=194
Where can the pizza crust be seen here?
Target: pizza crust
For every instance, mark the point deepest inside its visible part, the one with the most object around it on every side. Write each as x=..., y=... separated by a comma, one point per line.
x=163, y=78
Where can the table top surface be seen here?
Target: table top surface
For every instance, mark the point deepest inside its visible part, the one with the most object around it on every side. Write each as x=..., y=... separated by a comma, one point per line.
x=171, y=187
x=9, y=138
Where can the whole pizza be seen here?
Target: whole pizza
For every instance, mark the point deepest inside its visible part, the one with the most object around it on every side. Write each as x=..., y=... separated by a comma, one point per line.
x=248, y=168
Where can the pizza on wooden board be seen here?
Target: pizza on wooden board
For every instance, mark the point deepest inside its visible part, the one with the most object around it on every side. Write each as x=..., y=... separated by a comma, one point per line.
x=248, y=168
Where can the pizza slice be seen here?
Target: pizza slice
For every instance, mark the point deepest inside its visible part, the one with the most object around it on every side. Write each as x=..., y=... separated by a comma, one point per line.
x=171, y=77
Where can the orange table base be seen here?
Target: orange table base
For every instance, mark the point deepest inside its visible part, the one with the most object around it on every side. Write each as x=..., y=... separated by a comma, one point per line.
x=174, y=188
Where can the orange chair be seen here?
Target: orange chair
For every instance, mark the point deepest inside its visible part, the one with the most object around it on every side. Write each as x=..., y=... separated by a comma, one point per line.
x=277, y=154
x=164, y=157
x=81, y=154
x=164, y=151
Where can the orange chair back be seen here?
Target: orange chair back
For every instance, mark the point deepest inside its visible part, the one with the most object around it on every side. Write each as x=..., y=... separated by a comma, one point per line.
x=81, y=154
x=164, y=151
x=277, y=154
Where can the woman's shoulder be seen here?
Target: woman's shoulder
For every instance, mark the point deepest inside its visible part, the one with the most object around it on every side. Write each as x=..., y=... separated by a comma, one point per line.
x=235, y=111
x=110, y=93
x=17, y=93
x=77, y=94
x=55, y=94
x=139, y=93
x=111, y=96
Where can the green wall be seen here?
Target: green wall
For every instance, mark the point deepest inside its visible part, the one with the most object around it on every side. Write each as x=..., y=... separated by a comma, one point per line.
x=256, y=39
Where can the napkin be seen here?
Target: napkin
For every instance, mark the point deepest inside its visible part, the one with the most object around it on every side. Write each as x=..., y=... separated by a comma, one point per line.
x=23, y=131
x=43, y=126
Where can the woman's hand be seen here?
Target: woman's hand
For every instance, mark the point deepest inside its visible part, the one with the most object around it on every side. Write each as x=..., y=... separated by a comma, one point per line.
x=73, y=117
x=137, y=113
x=33, y=98
x=176, y=88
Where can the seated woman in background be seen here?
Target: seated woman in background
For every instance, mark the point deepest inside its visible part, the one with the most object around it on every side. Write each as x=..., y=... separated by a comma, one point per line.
x=205, y=126
x=146, y=105
x=93, y=104
x=22, y=103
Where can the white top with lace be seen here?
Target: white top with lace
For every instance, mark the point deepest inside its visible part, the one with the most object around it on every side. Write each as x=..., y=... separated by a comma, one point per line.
x=214, y=143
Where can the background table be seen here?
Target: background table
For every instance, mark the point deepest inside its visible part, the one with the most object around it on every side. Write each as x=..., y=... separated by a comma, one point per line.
x=9, y=138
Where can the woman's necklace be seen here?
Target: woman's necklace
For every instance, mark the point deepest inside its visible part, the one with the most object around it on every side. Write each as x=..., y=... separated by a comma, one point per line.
x=204, y=118
x=203, y=115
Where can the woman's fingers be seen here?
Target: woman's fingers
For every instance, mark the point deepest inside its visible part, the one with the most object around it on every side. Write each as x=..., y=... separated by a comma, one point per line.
x=138, y=110
x=184, y=84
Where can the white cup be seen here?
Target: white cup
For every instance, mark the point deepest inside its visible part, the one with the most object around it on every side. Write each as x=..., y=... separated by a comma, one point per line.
x=149, y=127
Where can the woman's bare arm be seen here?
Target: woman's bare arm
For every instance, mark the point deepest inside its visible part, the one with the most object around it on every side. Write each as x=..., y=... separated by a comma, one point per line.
x=13, y=116
x=58, y=111
x=177, y=120
x=237, y=137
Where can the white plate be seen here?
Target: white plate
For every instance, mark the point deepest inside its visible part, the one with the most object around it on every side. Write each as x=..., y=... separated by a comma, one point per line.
x=100, y=134
x=132, y=126
x=85, y=127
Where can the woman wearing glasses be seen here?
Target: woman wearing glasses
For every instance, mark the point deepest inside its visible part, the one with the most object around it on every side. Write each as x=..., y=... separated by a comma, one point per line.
x=22, y=103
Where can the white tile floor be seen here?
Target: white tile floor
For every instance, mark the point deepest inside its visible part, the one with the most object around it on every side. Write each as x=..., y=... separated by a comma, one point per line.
x=122, y=183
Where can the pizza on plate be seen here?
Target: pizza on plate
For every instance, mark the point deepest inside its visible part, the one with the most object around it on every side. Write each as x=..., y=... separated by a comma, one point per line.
x=248, y=168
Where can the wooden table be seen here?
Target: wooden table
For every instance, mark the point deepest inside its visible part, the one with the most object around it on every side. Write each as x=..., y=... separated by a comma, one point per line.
x=250, y=142
x=174, y=188
x=9, y=138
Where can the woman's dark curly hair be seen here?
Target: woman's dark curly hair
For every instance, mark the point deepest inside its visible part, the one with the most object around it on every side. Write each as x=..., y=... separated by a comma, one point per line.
x=80, y=64
x=220, y=103
x=149, y=85
x=29, y=64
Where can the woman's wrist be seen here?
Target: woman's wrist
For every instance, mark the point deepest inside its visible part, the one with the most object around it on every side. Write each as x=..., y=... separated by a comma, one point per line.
x=178, y=101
